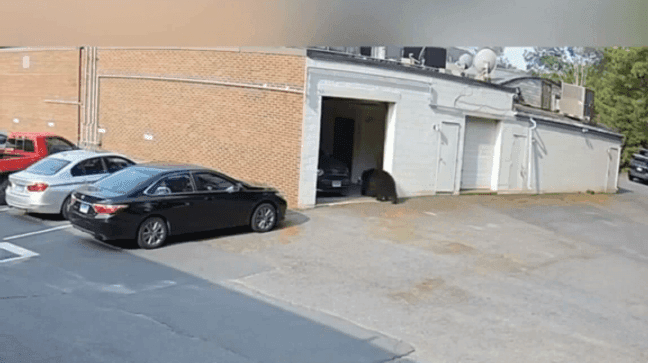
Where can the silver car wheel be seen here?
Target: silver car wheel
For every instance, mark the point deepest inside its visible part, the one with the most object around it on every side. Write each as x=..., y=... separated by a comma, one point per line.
x=264, y=218
x=152, y=233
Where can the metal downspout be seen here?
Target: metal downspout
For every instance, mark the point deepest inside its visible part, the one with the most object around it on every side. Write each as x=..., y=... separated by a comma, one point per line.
x=530, y=151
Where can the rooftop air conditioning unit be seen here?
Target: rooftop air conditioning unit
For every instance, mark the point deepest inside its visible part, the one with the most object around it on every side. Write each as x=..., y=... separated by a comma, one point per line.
x=576, y=101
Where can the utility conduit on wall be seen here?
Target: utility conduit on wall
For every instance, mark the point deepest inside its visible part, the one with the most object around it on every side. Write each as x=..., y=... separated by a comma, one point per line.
x=91, y=120
x=204, y=81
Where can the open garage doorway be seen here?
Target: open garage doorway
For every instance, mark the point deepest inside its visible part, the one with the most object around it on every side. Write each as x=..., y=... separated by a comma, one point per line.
x=352, y=140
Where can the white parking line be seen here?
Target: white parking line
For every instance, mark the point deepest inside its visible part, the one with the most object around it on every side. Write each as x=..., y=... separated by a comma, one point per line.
x=4, y=209
x=37, y=232
x=21, y=252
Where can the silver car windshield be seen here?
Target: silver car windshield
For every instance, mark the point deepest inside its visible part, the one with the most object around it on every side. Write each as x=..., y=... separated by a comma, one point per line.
x=47, y=166
x=126, y=179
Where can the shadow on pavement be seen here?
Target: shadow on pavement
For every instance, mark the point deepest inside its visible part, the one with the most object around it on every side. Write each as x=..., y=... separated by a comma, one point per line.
x=292, y=219
x=624, y=191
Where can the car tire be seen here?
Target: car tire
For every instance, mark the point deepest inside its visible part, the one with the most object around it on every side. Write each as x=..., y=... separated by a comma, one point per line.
x=4, y=183
x=264, y=218
x=152, y=233
x=65, y=208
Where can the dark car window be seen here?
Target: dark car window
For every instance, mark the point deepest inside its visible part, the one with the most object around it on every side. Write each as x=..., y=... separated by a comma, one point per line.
x=47, y=166
x=28, y=146
x=179, y=183
x=3, y=139
x=20, y=144
x=210, y=182
x=126, y=180
x=115, y=163
x=13, y=143
x=88, y=167
x=57, y=144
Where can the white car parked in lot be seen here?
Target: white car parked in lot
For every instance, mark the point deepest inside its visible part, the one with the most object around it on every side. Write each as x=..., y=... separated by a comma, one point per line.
x=45, y=186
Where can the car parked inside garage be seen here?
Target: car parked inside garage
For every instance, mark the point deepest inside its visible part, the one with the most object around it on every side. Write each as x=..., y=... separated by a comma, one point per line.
x=46, y=186
x=148, y=202
x=332, y=175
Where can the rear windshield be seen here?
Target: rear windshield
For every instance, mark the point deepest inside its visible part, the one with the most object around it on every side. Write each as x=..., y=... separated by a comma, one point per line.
x=47, y=166
x=20, y=144
x=126, y=179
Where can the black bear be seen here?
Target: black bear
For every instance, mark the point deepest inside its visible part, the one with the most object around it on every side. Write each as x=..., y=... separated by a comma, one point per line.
x=378, y=183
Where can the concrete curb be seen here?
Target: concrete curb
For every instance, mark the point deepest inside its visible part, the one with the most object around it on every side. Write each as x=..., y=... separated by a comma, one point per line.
x=398, y=348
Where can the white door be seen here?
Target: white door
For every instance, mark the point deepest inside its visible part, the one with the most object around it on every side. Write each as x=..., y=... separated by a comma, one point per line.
x=449, y=142
x=479, y=152
x=517, y=173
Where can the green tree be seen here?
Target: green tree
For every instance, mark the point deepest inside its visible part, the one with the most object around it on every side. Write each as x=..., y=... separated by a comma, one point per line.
x=563, y=63
x=620, y=83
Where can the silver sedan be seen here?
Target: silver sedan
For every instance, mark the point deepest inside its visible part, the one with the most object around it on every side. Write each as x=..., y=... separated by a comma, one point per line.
x=46, y=185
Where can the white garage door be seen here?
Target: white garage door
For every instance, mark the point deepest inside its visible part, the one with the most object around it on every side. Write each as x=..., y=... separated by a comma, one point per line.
x=479, y=152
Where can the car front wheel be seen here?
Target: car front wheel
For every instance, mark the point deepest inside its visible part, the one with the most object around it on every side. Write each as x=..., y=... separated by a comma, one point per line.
x=152, y=233
x=264, y=218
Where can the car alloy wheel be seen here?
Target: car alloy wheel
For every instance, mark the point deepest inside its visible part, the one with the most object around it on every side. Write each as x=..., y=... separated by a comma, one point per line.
x=152, y=233
x=264, y=218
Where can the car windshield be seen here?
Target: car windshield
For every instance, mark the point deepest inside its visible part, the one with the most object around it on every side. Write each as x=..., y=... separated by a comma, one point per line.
x=126, y=179
x=47, y=166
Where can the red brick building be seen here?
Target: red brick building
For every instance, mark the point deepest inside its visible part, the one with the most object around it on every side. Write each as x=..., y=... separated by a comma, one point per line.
x=237, y=110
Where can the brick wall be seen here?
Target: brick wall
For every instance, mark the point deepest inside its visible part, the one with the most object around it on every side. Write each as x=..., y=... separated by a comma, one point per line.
x=252, y=134
x=51, y=75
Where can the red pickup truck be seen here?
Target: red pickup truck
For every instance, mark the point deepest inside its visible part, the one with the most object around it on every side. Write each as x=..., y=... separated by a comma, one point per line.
x=25, y=148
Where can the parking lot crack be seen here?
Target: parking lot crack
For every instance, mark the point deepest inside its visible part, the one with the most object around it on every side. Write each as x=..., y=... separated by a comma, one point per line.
x=28, y=296
x=181, y=333
x=396, y=358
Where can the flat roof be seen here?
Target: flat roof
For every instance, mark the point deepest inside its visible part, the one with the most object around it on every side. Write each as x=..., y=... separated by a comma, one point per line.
x=556, y=118
x=399, y=67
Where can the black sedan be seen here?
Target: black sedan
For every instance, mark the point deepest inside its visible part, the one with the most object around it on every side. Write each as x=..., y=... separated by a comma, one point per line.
x=639, y=167
x=332, y=175
x=148, y=202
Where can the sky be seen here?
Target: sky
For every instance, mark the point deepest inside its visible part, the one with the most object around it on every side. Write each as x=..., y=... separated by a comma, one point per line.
x=515, y=55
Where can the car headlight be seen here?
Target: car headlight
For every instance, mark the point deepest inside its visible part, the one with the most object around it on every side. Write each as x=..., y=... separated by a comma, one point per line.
x=320, y=172
x=639, y=169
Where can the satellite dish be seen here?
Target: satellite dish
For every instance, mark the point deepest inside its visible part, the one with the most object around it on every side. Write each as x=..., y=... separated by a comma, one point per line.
x=485, y=61
x=465, y=61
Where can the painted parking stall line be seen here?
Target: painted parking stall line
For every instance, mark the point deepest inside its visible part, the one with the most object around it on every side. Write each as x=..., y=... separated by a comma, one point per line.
x=37, y=232
x=19, y=252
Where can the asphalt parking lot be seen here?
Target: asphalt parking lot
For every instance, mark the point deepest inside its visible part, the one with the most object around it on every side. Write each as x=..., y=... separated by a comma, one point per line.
x=65, y=297
x=549, y=278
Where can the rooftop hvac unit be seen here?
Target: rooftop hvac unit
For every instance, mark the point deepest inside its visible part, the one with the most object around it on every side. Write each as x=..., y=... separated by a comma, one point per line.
x=412, y=52
x=435, y=57
x=576, y=101
x=365, y=51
